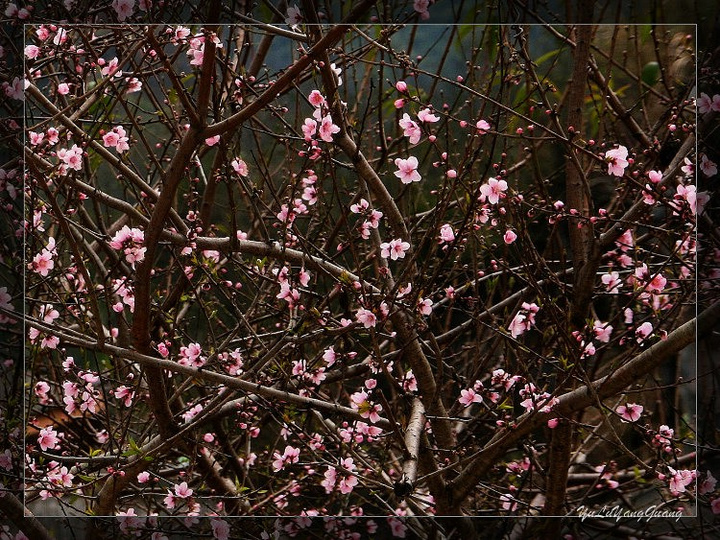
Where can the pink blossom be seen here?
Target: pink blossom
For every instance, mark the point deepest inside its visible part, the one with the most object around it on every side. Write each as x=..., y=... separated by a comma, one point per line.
x=290, y=295
x=133, y=85
x=309, y=128
x=329, y=356
x=42, y=263
x=397, y=528
x=48, y=439
x=143, y=477
x=181, y=33
x=410, y=129
x=72, y=157
x=715, y=506
x=643, y=331
x=123, y=8
x=517, y=325
x=32, y=51
x=130, y=241
x=707, y=485
x=588, y=349
x=360, y=402
x=509, y=236
x=117, y=138
x=482, y=127
x=220, y=529
x=60, y=36
x=304, y=277
x=602, y=331
x=41, y=389
x=688, y=168
x=36, y=138
x=395, y=249
x=42, y=33
x=446, y=233
x=359, y=207
x=316, y=99
x=327, y=129
x=52, y=135
x=401, y=86
x=469, y=396
x=125, y=394
x=196, y=55
x=111, y=68
x=239, y=166
x=425, y=306
x=212, y=141
x=426, y=115
x=293, y=16
x=709, y=168
x=290, y=455
x=347, y=484
x=407, y=170
x=630, y=412
x=182, y=491
x=655, y=177
x=612, y=281
x=330, y=479
x=680, y=479
x=16, y=89
x=170, y=500
x=616, y=160
x=704, y=103
x=366, y=317
x=689, y=194
x=63, y=89
x=493, y=190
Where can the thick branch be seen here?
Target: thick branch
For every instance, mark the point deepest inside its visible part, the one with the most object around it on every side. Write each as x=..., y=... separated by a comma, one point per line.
x=413, y=435
x=579, y=399
x=22, y=518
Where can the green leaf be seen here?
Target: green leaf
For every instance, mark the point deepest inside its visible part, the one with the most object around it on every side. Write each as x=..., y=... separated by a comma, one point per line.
x=650, y=73
x=547, y=56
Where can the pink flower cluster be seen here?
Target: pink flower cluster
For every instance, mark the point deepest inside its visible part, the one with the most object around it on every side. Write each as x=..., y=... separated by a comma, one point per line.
x=321, y=124
x=343, y=479
x=394, y=249
x=192, y=356
x=130, y=241
x=290, y=455
x=536, y=400
x=83, y=393
x=361, y=403
x=48, y=314
x=43, y=262
x=116, y=138
x=359, y=432
x=372, y=220
x=71, y=158
x=181, y=492
x=124, y=290
x=705, y=103
x=679, y=479
x=48, y=439
x=523, y=320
